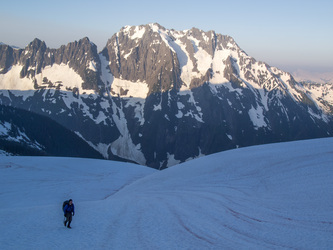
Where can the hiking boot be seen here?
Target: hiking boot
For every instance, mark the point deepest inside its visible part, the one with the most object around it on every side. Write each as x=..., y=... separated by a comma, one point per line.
x=68, y=226
x=65, y=222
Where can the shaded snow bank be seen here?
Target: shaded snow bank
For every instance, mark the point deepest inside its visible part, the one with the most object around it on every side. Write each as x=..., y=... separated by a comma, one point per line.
x=273, y=196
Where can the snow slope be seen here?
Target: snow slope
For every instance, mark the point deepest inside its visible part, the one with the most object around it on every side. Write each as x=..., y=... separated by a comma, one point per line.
x=273, y=196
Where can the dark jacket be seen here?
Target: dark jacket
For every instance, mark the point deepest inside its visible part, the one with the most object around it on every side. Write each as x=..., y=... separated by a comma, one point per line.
x=69, y=209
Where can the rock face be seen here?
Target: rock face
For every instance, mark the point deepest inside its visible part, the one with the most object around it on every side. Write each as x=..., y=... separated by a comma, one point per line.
x=159, y=97
x=139, y=54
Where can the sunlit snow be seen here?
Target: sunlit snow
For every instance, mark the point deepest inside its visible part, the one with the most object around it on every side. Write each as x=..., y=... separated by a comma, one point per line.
x=12, y=81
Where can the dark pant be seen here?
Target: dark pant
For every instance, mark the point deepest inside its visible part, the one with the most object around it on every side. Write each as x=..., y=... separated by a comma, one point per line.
x=68, y=219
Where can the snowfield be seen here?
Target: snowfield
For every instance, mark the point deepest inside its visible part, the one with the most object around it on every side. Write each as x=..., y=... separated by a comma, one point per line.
x=275, y=196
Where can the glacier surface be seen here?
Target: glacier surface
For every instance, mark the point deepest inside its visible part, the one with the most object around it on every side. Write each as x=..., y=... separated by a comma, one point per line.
x=273, y=196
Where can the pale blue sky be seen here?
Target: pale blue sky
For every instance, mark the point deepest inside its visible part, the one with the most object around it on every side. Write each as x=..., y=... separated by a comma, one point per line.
x=289, y=34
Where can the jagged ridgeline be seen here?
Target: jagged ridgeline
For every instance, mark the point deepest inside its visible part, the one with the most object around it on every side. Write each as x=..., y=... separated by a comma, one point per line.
x=159, y=97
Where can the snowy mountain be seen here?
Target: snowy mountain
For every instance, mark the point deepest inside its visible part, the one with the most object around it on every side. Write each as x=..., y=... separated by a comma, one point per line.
x=276, y=196
x=25, y=133
x=159, y=97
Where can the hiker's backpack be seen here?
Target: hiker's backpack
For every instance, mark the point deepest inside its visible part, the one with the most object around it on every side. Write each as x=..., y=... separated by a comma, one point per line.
x=64, y=204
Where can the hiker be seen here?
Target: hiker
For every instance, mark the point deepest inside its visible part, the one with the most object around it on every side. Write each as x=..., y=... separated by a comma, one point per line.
x=69, y=212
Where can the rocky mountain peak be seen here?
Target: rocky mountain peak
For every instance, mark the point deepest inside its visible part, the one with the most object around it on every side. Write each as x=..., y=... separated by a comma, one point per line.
x=155, y=55
x=36, y=44
x=139, y=53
